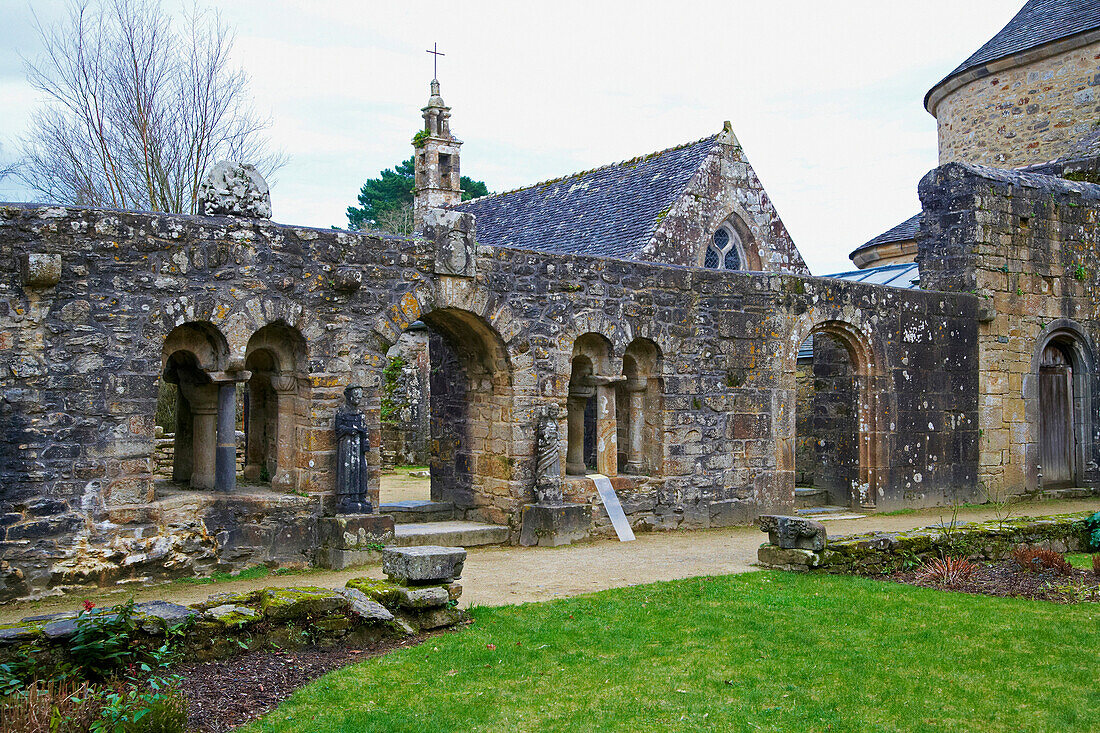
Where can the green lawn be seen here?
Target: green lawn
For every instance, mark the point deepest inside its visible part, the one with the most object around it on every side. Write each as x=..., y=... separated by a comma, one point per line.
x=762, y=651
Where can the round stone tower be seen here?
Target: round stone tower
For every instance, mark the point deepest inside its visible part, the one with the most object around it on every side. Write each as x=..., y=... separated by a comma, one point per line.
x=1028, y=94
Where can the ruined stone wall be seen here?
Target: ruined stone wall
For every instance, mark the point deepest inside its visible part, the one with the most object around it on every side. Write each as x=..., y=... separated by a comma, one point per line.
x=405, y=420
x=1027, y=245
x=81, y=358
x=1023, y=112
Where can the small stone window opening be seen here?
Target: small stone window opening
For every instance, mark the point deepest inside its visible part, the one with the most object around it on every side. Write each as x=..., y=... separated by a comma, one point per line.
x=725, y=252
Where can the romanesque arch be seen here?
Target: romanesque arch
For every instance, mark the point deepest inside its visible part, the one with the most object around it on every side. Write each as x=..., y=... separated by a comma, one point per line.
x=639, y=410
x=276, y=397
x=848, y=414
x=193, y=359
x=1060, y=407
x=591, y=432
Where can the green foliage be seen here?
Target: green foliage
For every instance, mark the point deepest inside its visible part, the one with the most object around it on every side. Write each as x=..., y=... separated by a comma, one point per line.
x=102, y=644
x=762, y=651
x=1092, y=524
x=420, y=138
x=1080, y=272
x=390, y=375
x=381, y=197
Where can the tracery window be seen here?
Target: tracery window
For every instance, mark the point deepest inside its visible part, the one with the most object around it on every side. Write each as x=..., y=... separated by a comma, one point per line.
x=724, y=251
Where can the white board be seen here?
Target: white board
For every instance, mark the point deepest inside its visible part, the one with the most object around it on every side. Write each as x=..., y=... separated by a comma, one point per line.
x=613, y=506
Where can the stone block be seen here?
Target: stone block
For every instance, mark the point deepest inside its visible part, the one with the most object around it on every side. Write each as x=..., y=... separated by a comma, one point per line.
x=288, y=603
x=40, y=270
x=423, y=565
x=233, y=616
x=430, y=596
x=333, y=559
x=355, y=531
x=778, y=557
x=437, y=618
x=551, y=525
x=364, y=607
x=155, y=617
x=732, y=512
x=793, y=532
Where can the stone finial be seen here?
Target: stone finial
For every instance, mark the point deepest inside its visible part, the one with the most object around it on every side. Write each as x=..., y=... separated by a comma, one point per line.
x=455, y=247
x=41, y=270
x=235, y=189
x=789, y=533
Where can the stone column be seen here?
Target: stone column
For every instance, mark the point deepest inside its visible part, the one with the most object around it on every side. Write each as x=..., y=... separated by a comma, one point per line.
x=225, y=464
x=574, y=453
x=203, y=400
x=286, y=450
x=635, y=459
x=607, y=452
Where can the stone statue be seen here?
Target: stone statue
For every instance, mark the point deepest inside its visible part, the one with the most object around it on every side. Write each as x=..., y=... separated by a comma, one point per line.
x=548, y=488
x=351, y=455
x=235, y=189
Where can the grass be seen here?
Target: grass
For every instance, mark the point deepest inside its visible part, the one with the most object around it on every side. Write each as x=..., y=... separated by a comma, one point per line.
x=1081, y=560
x=760, y=651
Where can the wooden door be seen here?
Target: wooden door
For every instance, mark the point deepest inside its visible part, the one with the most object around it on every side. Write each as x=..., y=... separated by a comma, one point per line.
x=1056, y=435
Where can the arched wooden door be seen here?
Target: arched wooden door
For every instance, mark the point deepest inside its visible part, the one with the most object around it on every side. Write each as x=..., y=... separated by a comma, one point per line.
x=1056, y=433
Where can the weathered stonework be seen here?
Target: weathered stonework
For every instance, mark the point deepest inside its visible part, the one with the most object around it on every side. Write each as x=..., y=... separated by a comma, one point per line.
x=1027, y=245
x=81, y=362
x=1025, y=109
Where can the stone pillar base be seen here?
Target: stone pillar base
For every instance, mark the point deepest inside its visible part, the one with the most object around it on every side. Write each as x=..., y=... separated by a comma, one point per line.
x=551, y=525
x=352, y=539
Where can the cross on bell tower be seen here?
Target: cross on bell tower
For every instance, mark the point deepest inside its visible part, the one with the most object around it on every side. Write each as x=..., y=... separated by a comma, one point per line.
x=435, y=155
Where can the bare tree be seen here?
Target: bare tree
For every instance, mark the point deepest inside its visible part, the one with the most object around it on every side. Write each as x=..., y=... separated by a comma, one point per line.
x=138, y=110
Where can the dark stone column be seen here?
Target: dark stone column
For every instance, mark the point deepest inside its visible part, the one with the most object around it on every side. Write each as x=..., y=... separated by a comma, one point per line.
x=225, y=466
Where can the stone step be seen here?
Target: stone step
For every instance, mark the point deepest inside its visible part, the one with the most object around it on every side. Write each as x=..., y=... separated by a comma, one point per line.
x=452, y=533
x=418, y=510
x=1073, y=492
x=824, y=513
x=808, y=496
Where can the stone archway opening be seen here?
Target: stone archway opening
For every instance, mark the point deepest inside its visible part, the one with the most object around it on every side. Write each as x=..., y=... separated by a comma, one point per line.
x=467, y=400
x=272, y=406
x=638, y=411
x=591, y=433
x=192, y=405
x=836, y=430
x=1063, y=410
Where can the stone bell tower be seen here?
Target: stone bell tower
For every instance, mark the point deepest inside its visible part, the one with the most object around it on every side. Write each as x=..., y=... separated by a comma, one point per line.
x=435, y=155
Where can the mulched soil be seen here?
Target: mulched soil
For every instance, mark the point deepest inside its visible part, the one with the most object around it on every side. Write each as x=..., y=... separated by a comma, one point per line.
x=1005, y=578
x=225, y=694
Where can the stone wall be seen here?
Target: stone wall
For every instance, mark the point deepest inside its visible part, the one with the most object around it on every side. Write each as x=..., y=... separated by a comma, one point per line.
x=405, y=422
x=81, y=357
x=805, y=453
x=1027, y=245
x=1020, y=112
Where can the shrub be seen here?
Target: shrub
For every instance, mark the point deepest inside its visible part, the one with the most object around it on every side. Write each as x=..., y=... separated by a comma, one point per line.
x=946, y=571
x=1038, y=559
x=1092, y=524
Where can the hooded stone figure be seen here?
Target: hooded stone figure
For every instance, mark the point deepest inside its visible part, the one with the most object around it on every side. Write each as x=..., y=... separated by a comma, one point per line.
x=351, y=455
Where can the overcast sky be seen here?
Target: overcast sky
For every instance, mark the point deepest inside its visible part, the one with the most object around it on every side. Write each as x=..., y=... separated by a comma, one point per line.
x=824, y=96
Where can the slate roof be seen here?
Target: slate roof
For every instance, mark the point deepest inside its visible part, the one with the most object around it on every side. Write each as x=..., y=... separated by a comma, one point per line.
x=902, y=232
x=1039, y=22
x=611, y=211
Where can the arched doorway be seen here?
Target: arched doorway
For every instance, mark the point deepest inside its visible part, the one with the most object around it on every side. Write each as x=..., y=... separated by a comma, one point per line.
x=834, y=451
x=273, y=404
x=1063, y=408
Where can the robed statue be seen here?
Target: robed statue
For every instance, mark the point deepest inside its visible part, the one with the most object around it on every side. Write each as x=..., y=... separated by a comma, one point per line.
x=352, y=445
x=548, y=488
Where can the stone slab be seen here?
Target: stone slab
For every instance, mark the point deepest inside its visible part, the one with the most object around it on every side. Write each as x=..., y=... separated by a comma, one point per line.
x=790, y=559
x=364, y=607
x=553, y=525
x=414, y=511
x=450, y=534
x=425, y=564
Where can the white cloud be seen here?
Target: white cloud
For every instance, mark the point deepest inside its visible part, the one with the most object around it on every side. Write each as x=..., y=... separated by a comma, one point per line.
x=826, y=97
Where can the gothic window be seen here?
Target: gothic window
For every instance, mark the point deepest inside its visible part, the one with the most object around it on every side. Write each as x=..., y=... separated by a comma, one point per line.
x=724, y=251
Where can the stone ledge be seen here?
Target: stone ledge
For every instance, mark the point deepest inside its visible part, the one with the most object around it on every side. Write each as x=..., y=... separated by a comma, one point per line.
x=882, y=553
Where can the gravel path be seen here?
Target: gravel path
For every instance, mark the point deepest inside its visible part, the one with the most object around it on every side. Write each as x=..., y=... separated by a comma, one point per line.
x=503, y=575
